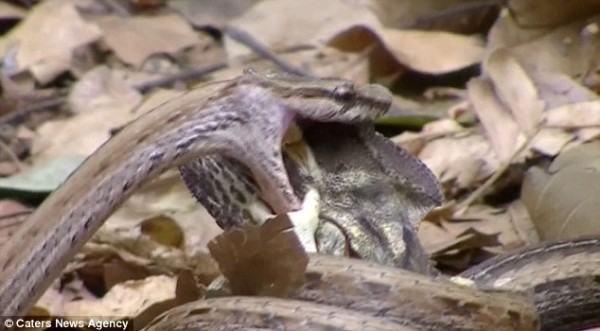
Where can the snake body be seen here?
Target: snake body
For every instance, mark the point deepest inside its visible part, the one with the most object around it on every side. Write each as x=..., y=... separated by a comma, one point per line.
x=563, y=278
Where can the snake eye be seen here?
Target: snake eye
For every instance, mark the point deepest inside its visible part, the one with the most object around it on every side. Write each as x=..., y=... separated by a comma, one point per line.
x=344, y=93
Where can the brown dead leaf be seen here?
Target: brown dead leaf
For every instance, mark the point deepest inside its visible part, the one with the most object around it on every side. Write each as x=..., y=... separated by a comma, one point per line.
x=49, y=24
x=117, y=271
x=211, y=13
x=574, y=115
x=558, y=90
x=567, y=48
x=267, y=260
x=459, y=252
x=187, y=288
x=550, y=141
x=298, y=23
x=489, y=221
x=515, y=89
x=540, y=13
x=563, y=201
x=522, y=224
x=457, y=242
x=126, y=299
x=134, y=39
x=8, y=11
x=450, y=15
x=463, y=160
x=500, y=128
x=102, y=87
x=420, y=50
x=106, y=101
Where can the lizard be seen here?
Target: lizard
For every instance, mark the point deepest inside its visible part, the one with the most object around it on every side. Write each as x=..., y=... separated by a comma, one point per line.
x=372, y=193
x=244, y=118
x=562, y=276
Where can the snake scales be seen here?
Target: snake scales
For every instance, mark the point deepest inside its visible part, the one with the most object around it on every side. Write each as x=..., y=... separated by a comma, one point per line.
x=562, y=277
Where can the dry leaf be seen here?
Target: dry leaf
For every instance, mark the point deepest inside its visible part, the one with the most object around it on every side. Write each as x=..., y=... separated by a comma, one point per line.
x=117, y=271
x=420, y=50
x=567, y=49
x=8, y=11
x=563, y=202
x=515, y=89
x=574, y=115
x=459, y=252
x=501, y=129
x=126, y=299
x=522, y=224
x=551, y=141
x=488, y=221
x=106, y=101
x=557, y=89
x=211, y=13
x=267, y=260
x=134, y=39
x=49, y=24
x=540, y=13
x=298, y=23
x=465, y=161
x=187, y=288
x=102, y=87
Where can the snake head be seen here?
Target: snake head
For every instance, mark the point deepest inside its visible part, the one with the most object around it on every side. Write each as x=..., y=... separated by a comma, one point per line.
x=327, y=99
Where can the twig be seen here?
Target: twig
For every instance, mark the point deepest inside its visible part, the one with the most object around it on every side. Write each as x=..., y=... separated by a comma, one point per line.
x=11, y=155
x=187, y=74
x=461, y=208
x=18, y=116
x=570, y=126
x=246, y=39
x=16, y=214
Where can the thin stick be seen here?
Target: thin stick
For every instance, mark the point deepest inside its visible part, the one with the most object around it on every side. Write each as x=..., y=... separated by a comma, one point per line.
x=260, y=49
x=461, y=208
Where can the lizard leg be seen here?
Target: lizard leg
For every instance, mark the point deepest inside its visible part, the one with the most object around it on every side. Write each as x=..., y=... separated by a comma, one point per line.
x=306, y=220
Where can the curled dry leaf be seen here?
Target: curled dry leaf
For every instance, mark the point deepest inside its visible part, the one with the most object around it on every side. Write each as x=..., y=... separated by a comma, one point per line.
x=564, y=201
x=567, y=48
x=267, y=260
x=420, y=50
x=352, y=26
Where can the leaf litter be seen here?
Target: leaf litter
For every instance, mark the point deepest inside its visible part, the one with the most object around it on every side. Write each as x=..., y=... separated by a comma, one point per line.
x=525, y=82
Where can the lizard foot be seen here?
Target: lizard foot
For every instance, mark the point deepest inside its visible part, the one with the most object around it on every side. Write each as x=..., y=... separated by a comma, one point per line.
x=306, y=220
